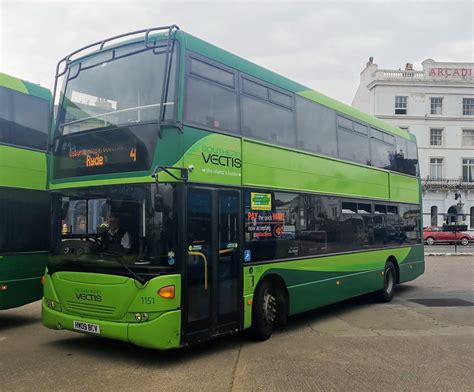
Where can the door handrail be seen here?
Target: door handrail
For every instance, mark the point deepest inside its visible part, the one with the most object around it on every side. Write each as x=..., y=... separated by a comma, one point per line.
x=205, y=265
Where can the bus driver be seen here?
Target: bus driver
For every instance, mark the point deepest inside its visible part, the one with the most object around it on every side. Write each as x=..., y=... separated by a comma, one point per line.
x=116, y=234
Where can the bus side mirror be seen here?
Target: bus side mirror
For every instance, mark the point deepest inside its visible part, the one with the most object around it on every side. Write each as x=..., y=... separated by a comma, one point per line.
x=183, y=172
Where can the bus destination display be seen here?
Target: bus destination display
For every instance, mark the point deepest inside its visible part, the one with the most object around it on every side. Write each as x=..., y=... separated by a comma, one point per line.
x=111, y=151
x=101, y=156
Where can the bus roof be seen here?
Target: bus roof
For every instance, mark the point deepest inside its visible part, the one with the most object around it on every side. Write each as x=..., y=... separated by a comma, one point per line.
x=24, y=87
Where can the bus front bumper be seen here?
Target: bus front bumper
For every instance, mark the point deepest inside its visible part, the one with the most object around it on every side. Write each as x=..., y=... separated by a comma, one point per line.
x=162, y=333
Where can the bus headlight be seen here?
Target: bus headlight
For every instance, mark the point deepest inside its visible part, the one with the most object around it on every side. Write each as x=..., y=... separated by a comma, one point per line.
x=50, y=303
x=141, y=317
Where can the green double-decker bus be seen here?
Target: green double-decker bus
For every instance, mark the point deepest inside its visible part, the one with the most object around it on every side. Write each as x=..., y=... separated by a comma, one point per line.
x=196, y=194
x=24, y=201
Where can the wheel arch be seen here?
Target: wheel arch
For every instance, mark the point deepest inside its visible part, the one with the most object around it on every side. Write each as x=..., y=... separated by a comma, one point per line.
x=394, y=260
x=278, y=282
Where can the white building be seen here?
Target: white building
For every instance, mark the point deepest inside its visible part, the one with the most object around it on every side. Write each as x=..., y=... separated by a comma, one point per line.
x=436, y=104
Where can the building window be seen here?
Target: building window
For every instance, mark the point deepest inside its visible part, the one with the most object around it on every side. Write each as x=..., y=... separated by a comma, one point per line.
x=468, y=170
x=468, y=106
x=434, y=216
x=436, y=168
x=436, y=137
x=468, y=137
x=401, y=105
x=436, y=105
x=472, y=218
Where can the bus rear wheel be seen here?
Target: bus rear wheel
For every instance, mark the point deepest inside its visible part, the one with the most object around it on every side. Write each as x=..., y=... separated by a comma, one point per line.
x=389, y=282
x=264, y=311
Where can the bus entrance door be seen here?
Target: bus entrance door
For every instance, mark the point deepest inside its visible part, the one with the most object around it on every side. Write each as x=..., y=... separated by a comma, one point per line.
x=212, y=290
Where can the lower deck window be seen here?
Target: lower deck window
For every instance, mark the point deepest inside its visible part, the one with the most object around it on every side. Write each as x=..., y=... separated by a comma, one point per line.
x=24, y=220
x=281, y=225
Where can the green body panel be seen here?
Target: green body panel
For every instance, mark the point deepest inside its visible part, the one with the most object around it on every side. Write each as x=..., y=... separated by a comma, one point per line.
x=21, y=273
x=161, y=333
x=111, y=301
x=320, y=281
x=20, y=168
x=268, y=166
x=404, y=188
x=216, y=159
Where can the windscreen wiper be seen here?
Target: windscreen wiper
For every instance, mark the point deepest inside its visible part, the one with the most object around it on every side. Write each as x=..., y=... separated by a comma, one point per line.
x=118, y=257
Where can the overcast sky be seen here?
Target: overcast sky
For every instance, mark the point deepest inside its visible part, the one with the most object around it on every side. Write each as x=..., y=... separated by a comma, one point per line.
x=323, y=45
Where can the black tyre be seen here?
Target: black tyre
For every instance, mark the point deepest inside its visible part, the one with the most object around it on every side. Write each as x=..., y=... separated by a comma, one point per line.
x=264, y=311
x=389, y=282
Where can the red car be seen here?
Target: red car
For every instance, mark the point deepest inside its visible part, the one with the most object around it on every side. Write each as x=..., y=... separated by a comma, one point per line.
x=433, y=234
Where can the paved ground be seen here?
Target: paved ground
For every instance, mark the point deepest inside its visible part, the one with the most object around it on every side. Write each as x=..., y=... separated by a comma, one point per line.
x=357, y=345
x=446, y=248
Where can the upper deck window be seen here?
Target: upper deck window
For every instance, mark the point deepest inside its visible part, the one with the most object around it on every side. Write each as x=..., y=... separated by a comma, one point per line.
x=255, y=89
x=267, y=113
x=5, y=117
x=210, y=72
x=353, y=146
x=263, y=120
x=360, y=128
x=24, y=119
x=211, y=97
x=211, y=105
x=316, y=125
x=280, y=98
x=344, y=123
x=116, y=89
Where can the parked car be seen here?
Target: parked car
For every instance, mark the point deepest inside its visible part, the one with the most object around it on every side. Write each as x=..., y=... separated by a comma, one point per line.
x=432, y=235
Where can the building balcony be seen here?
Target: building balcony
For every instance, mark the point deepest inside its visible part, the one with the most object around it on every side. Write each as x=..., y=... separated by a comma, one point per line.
x=385, y=74
x=447, y=184
x=411, y=76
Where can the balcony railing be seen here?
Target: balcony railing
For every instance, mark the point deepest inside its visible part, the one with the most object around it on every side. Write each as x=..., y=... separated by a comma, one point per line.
x=446, y=184
x=399, y=75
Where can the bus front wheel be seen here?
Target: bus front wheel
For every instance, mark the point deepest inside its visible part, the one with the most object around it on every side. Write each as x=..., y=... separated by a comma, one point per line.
x=264, y=311
x=389, y=282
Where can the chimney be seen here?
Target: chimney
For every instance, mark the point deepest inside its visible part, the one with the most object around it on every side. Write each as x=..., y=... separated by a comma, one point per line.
x=370, y=62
